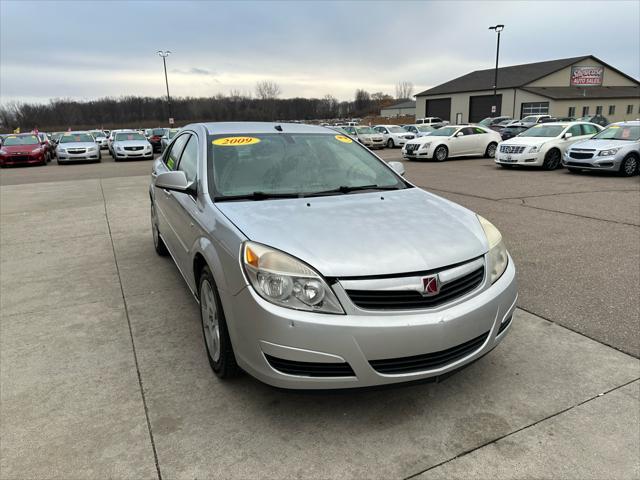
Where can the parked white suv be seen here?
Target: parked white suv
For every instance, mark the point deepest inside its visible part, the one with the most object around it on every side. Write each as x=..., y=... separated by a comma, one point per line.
x=394, y=135
x=433, y=121
x=544, y=144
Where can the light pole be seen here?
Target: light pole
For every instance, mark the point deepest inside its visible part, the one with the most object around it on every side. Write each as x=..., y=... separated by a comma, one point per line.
x=498, y=29
x=164, y=54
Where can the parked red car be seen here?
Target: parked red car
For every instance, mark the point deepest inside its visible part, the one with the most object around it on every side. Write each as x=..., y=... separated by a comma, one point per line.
x=22, y=149
x=155, y=138
x=49, y=149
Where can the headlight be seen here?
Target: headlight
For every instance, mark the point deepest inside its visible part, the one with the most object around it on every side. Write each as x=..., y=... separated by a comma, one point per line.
x=611, y=151
x=119, y=148
x=61, y=150
x=3, y=152
x=93, y=149
x=425, y=146
x=498, y=257
x=282, y=280
x=535, y=148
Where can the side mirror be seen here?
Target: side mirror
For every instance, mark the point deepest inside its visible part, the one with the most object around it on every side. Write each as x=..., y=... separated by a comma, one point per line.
x=459, y=134
x=567, y=135
x=175, y=181
x=397, y=167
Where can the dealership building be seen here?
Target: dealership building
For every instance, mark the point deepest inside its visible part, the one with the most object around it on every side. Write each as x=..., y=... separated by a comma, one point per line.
x=569, y=87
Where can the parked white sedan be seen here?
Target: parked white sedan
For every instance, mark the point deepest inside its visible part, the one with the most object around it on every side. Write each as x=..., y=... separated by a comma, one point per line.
x=453, y=141
x=394, y=135
x=544, y=144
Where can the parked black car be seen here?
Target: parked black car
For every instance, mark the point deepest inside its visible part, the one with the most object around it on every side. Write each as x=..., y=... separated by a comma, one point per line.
x=512, y=130
x=493, y=122
x=599, y=119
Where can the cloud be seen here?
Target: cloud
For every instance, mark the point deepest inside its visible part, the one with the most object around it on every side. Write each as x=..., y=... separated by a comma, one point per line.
x=193, y=71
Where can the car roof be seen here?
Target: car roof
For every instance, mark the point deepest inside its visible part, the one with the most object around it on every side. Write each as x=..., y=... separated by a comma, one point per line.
x=217, y=128
x=630, y=123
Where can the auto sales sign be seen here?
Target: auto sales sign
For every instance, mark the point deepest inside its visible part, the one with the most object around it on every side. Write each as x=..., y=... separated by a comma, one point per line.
x=581, y=76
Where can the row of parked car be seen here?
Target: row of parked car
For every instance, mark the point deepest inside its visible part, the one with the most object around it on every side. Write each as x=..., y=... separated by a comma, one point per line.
x=72, y=146
x=576, y=145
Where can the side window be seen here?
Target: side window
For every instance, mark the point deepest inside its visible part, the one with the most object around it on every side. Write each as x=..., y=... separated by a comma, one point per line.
x=436, y=120
x=575, y=131
x=189, y=160
x=479, y=130
x=468, y=131
x=589, y=129
x=172, y=158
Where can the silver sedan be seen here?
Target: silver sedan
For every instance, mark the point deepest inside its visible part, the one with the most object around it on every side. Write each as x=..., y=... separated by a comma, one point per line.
x=77, y=146
x=317, y=265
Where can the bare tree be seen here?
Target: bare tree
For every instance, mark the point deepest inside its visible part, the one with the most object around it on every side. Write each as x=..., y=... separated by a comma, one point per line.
x=404, y=90
x=267, y=90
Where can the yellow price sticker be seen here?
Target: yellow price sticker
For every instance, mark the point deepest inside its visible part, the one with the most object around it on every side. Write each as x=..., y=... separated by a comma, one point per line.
x=343, y=139
x=235, y=141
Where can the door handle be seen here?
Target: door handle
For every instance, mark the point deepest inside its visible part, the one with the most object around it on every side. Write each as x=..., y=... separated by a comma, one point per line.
x=167, y=193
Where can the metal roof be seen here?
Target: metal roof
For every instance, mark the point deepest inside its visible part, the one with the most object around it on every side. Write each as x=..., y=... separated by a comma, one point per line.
x=409, y=104
x=514, y=76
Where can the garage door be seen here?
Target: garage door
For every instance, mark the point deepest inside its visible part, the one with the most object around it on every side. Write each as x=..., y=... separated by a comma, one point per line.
x=439, y=108
x=480, y=107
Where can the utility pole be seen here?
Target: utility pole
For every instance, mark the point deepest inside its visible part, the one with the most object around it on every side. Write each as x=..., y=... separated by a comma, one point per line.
x=164, y=54
x=498, y=29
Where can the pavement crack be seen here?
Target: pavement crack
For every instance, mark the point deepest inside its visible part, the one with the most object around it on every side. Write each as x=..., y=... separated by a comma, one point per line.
x=526, y=427
x=133, y=343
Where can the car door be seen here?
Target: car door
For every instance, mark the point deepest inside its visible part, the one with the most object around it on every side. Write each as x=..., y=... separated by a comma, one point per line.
x=184, y=209
x=480, y=141
x=462, y=142
x=163, y=199
x=576, y=136
x=383, y=131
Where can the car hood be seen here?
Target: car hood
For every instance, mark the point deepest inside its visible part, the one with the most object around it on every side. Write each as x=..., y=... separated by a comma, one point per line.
x=422, y=140
x=602, y=144
x=77, y=145
x=131, y=143
x=361, y=234
x=20, y=148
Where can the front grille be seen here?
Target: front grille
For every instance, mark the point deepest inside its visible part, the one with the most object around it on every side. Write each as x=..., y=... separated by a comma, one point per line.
x=310, y=369
x=411, y=299
x=412, y=147
x=511, y=149
x=409, y=137
x=133, y=149
x=580, y=155
x=428, y=361
x=19, y=158
x=75, y=151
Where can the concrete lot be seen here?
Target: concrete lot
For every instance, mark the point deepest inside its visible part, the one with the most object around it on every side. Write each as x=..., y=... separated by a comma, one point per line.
x=103, y=371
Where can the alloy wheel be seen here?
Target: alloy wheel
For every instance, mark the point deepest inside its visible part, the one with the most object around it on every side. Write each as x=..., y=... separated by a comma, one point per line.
x=210, y=320
x=630, y=166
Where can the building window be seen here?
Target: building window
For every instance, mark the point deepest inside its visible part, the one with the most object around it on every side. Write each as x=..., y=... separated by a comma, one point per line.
x=612, y=109
x=585, y=111
x=535, y=108
x=629, y=109
x=599, y=110
x=572, y=112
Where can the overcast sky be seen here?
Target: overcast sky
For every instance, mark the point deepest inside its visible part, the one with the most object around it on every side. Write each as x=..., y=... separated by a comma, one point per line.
x=85, y=49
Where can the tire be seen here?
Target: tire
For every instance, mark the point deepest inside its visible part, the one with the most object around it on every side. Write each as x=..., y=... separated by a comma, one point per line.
x=490, y=152
x=441, y=153
x=573, y=170
x=552, y=160
x=158, y=243
x=629, y=166
x=390, y=143
x=214, y=328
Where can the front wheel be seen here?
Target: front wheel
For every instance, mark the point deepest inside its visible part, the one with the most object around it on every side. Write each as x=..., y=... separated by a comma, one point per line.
x=214, y=329
x=629, y=166
x=441, y=153
x=551, y=160
x=390, y=143
x=490, y=152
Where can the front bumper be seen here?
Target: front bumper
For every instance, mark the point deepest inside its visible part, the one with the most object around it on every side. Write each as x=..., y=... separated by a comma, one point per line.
x=7, y=160
x=78, y=157
x=608, y=163
x=531, y=159
x=260, y=330
x=138, y=154
x=417, y=154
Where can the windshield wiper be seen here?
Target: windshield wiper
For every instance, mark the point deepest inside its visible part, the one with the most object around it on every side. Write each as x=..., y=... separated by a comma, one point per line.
x=349, y=189
x=256, y=196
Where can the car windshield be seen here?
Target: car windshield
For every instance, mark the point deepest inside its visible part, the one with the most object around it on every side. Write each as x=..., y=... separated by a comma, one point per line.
x=121, y=137
x=485, y=122
x=76, y=138
x=365, y=130
x=158, y=131
x=293, y=164
x=22, y=140
x=97, y=133
x=397, y=130
x=444, y=132
x=531, y=119
x=425, y=128
x=543, y=130
x=620, y=132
